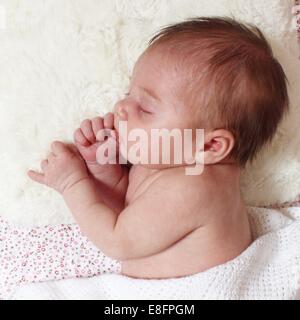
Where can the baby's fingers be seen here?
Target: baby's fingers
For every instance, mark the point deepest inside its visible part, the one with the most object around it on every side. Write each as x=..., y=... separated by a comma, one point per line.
x=80, y=138
x=36, y=176
x=87, y=130
x=104, y=134
x=108, y=120
x=44, y=165
x=97, y=125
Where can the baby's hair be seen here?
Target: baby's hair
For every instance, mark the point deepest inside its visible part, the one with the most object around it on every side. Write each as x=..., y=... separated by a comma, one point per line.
x=246, y=90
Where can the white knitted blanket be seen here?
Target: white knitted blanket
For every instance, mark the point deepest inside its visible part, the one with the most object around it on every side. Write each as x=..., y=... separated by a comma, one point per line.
x=268, y=269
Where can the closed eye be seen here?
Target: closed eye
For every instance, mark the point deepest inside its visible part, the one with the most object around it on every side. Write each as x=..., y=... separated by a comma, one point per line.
x=145, y=111
x=141, y=109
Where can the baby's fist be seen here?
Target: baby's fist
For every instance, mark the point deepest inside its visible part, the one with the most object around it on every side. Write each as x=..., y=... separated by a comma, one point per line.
x=92, y=134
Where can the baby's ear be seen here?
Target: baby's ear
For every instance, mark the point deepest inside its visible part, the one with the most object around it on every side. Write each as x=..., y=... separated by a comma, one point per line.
x=217, y=146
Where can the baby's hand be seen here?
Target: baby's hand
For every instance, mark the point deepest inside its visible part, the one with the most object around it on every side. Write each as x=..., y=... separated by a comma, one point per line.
x=88, y=139
x=112, y=178
x=63, y=168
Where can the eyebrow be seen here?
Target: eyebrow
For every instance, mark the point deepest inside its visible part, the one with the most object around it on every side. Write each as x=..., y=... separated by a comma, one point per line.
x=150, y=93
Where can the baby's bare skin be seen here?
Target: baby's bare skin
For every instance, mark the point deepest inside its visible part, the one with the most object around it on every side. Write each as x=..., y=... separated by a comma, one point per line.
x=112, y=180
x=214, y=226
x=157, y=220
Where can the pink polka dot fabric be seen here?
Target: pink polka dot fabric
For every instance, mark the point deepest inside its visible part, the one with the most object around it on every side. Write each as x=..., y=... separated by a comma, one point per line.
x=47, y=253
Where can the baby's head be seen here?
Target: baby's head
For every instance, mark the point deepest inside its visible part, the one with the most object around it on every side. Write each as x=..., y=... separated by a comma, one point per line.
x=210, y=73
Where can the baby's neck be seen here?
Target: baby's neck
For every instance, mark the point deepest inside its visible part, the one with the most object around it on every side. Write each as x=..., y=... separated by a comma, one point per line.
x=226, y=175
x=228, y=170
x=224, y=178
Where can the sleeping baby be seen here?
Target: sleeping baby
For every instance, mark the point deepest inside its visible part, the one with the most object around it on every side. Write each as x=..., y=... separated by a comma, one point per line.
x=152, y=220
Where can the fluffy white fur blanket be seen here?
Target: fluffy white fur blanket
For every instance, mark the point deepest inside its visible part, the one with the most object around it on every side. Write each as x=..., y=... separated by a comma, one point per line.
x=64, y=60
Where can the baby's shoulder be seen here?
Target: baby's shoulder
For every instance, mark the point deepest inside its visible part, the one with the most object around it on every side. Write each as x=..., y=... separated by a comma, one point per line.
x=171, y=192
x=170, y=185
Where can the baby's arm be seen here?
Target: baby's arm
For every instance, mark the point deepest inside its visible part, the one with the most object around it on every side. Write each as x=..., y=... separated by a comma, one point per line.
x=156, y=220
x=114, y=194
x=149, y=225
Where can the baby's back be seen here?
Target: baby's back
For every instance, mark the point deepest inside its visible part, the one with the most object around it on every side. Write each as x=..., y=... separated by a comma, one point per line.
x=218, y=223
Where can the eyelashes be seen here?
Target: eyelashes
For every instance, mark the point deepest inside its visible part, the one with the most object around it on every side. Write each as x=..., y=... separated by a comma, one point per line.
x=144, y=111
x=141, y=110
